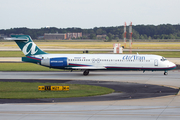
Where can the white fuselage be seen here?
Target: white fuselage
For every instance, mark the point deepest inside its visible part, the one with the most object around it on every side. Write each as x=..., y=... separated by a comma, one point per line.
x=113, y=61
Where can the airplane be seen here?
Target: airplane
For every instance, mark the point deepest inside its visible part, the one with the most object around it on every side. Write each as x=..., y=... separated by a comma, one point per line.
x=90, y=62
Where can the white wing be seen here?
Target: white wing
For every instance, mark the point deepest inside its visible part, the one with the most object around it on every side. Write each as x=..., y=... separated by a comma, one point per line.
x=87, y=68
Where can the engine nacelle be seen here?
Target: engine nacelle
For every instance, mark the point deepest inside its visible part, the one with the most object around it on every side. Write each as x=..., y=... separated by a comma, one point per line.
x=55, y=62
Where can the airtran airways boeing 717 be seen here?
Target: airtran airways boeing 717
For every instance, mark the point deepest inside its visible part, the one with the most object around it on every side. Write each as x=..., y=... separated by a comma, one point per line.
x=89, y=62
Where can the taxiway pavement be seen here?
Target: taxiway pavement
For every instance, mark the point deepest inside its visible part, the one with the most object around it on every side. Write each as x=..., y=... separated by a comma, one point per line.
x=155, y=108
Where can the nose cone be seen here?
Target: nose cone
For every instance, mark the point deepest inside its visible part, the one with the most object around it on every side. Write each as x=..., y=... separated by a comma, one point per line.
x=172, y=65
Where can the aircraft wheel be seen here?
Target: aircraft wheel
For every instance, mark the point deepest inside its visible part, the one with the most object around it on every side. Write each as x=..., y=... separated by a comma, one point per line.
x=165, y=73
x=86, y=72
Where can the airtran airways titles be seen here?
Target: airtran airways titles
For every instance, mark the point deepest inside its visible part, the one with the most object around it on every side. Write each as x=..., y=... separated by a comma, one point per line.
x=133, y=57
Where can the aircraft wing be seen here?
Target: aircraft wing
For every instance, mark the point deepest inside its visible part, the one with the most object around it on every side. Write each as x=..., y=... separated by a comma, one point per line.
x=87, y=68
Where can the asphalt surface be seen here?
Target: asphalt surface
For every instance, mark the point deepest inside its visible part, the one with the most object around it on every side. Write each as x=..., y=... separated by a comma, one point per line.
x=123, y=91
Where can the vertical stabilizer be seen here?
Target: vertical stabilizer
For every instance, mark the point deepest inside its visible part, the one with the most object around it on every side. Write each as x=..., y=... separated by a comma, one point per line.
x=27, y=46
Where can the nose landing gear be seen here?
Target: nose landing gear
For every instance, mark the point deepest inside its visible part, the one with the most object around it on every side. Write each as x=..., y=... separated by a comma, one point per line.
x=165, y=73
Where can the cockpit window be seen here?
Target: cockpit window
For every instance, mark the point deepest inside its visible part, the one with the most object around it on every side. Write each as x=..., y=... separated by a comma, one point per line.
x=163, y=59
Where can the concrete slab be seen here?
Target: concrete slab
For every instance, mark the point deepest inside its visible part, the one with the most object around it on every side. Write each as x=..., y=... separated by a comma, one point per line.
x=88, y=112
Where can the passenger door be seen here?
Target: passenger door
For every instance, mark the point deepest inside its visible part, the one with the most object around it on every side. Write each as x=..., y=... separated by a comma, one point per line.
x=155, y=62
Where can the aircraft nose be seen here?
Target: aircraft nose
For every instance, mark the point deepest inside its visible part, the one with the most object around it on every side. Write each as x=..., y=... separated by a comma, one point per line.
x=172, y=65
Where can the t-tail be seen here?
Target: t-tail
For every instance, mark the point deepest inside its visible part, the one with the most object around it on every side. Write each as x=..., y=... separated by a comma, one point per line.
x=27, y=46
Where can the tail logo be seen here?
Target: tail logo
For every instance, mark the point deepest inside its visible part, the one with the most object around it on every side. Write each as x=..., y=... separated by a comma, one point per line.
x=32, y=50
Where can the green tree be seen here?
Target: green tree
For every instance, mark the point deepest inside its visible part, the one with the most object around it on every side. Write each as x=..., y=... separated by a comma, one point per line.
x=110, y=36
x=149, y=38
x=141, y=37
x=92, y=36
x=171, y=36
x=107, y=38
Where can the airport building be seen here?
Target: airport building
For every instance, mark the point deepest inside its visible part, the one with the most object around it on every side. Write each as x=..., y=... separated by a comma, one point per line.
x=74, y=35
x=61, y=36
x=55, y=36
x=101, y=36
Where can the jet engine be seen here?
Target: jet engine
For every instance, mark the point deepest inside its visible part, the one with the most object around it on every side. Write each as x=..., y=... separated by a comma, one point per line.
x=55, y=62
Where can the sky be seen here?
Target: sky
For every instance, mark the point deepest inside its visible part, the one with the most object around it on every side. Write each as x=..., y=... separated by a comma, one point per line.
x=87, y=13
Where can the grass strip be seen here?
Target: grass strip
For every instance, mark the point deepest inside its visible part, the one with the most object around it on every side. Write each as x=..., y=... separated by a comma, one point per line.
x=93, y=44
x=25, y=90
x=25, y=67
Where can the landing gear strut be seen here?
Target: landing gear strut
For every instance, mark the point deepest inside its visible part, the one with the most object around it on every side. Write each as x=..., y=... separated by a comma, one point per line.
x=165, y=73
x=86, y=72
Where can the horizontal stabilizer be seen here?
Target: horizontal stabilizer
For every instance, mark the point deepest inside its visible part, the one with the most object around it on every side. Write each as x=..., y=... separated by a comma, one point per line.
x=18, y=39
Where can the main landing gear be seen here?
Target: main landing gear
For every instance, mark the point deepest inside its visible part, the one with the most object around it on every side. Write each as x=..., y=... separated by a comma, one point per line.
x=86, y=72
x=165, y=72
